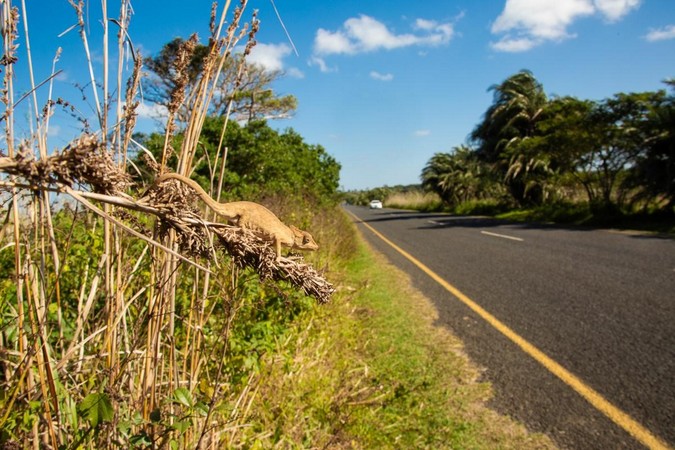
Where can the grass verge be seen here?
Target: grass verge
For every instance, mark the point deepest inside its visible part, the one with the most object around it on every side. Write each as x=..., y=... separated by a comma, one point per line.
x=563, y=213
x=371, y=370
x=582, y=215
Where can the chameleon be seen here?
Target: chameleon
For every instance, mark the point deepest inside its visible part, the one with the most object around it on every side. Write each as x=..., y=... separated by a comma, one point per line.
x=252, y=216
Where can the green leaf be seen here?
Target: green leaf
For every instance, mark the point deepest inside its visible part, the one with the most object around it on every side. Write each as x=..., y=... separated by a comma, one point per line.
x=140, y=440
x=96, y=408
x=183, y=396
x=182, y=426
x=202, y=408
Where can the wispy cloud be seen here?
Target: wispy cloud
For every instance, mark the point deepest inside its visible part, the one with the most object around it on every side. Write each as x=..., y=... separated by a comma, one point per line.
x=526, y=24
x=661, y=34
x=365, y=34
x=295, y=72
x=54, y=130
x=422, y=133
x=321, y=64
x=381, y=76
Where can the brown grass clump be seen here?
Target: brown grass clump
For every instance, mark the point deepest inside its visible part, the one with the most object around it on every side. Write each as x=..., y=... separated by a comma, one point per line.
x=84, y=161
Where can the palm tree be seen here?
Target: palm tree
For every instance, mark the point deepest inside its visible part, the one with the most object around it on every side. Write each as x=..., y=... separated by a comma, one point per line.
x=456, y=177
x=519, y=104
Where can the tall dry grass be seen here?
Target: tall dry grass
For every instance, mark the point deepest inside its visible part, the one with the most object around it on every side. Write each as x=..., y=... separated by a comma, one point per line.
x=109, y=336
x=416, y=200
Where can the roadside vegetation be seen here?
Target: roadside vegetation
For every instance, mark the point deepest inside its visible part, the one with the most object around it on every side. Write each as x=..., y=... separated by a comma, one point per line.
x=609, y=162
x=130, y=319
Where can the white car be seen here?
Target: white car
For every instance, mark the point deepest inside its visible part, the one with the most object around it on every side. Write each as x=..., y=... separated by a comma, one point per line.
x=375, y=204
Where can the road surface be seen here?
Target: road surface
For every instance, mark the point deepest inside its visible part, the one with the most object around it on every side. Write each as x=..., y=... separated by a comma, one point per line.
x=575, y=328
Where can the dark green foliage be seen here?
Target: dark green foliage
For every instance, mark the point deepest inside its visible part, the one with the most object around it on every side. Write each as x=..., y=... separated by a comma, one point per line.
x=262, y=162
x=654, y=172
x=459, y=176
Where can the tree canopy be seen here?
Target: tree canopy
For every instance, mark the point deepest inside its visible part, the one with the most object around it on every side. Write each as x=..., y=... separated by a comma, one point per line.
x=262, y=161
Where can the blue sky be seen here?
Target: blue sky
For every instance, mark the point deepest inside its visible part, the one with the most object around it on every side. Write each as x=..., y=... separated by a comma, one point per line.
x=385, y=85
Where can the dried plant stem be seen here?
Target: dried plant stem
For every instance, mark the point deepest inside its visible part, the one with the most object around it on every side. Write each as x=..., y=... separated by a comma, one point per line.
x=45, y=208
x=29, y=59
x=81, y=198
x=25, y=380
x=79, y=9
x=104, y=122
x=37, y=311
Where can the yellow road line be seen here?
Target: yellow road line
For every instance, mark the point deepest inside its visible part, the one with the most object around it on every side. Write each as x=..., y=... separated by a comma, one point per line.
x=615, y=414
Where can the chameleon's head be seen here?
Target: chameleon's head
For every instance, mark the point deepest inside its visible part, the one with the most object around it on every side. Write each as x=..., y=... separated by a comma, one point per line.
x=303, y=240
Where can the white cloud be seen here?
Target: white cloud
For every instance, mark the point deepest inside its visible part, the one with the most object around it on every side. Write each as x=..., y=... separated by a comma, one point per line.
x=381, y=76
x=365, y=34
x=152, y=111
x=62, y=76
x=528, y=23
x=512, y=45
x=440, y=32
x=661, y=34
x=269, y=56
x=424, y=24
x=541, y=19
x=422, y=133
x=614, y=10
x=327, y=42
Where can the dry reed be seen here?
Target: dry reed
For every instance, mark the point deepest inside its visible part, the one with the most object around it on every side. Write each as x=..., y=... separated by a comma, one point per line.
x=134, y=348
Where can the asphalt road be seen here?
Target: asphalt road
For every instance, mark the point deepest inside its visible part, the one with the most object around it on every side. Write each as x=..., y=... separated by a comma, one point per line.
x=599, y=303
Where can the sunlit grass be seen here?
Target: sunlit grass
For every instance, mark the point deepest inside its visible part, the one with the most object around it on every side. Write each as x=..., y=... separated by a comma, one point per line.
x=416, y=200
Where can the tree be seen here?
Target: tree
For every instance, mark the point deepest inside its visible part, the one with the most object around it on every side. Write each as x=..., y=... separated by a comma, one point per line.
x=456, y=177
x=654, y=171
x=261, y=162
x=518, y=105
x=247, y=86
x=616, y=128
x=554, y=153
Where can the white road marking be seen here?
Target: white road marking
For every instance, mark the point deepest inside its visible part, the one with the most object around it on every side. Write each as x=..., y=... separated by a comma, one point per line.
x=513, y=238
x=434, y=222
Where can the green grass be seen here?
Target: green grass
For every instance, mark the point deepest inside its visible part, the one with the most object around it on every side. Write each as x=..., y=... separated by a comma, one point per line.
x=567, y=213
x=371, y=370
x=580, y=214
